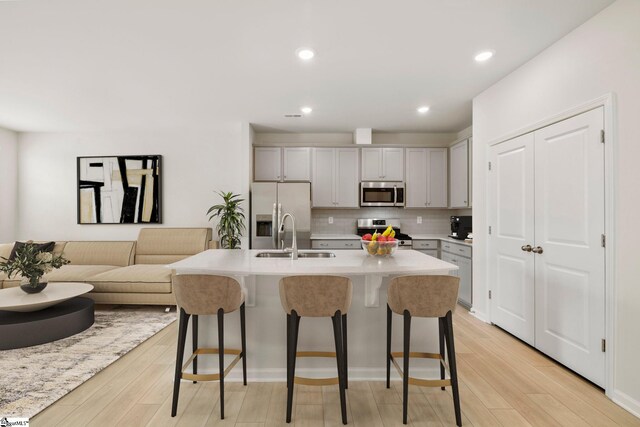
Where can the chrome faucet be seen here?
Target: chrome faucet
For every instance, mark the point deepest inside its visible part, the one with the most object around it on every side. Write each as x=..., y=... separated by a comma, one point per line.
x=294, y=243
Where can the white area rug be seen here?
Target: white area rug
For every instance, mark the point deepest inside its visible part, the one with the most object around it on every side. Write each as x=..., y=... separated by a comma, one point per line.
x=33, y=378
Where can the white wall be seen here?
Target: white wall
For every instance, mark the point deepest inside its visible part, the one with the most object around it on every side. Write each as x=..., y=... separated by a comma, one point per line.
x=601, y=56
x=196, y=163
x=8, y=184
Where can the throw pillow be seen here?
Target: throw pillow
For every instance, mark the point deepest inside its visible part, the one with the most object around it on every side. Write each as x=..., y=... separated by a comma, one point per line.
x=43, y=247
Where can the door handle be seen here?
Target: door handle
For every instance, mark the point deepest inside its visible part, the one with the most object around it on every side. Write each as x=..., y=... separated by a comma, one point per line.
x=527, y=248
x=537, y=250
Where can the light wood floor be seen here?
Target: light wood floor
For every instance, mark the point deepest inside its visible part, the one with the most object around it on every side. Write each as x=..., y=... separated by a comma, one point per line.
x=503, y=383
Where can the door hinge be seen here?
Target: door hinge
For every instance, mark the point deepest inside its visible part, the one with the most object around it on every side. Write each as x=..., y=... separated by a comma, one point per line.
x=602, y=136
x=489, y=165
x=489, y=229
x=604, y=345
x=603, y=240
x=489, y=294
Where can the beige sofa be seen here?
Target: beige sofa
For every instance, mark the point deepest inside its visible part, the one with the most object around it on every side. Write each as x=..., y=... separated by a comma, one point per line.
x=125, y=272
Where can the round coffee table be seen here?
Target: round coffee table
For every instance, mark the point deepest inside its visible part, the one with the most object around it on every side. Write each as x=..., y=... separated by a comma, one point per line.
x=55, y=313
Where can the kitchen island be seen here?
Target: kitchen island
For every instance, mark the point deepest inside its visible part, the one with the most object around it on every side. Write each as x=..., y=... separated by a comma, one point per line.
x=266, y=320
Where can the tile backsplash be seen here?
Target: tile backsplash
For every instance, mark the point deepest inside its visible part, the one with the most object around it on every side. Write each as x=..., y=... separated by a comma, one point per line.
x=434, y=221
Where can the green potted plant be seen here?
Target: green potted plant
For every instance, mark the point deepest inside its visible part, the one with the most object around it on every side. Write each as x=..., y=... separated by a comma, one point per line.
x=230, y=220
x=32, y=263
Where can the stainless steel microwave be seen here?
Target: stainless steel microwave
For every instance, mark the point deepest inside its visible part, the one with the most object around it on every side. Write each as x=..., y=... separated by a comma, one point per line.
x=382, y=194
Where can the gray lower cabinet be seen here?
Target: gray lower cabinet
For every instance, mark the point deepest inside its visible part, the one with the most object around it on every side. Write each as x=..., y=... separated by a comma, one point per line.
x=429, y=247
x=460, y=255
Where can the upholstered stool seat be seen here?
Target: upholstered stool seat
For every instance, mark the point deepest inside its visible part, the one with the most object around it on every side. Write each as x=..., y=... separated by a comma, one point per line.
x=424, y=296
x=198, y=295
x=316, y=296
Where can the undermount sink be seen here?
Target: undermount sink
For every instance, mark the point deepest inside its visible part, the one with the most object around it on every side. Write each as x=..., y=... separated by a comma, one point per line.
x=316, y=255
x=273, y=255
x=300, y=255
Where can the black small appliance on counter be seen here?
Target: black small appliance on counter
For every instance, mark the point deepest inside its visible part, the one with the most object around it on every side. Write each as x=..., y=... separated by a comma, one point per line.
x=460, y=227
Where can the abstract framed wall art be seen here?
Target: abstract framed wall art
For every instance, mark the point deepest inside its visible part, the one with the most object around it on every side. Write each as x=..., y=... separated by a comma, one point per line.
x=119, y=189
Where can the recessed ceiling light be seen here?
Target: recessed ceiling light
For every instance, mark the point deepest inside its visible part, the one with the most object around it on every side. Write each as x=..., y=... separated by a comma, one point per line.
x=306, y=110
x=484, y=56
x=305, y=53
x=423, y=110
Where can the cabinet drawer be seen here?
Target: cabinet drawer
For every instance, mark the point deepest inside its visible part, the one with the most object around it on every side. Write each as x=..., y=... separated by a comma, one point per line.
x=335, y=244
x=425, y=244
x=457, y=249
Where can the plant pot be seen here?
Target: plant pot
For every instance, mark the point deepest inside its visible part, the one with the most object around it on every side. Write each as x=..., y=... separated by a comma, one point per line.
x=32, y=287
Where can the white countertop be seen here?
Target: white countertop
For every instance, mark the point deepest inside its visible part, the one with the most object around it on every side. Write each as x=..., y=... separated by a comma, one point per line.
x=243, y=262
x=442, y=237
x=335, y=237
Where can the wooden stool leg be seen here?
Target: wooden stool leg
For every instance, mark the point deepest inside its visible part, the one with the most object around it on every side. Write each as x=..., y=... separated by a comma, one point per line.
x=194, y=342
x=452, y=366
x=288, y=346
x=292, y=341
x=344, y=351
x=405, y=377
x=243, y=334
x=182, y=337
x=441, y=338
x=221, y=358
x=389, y=313
x=337, y=333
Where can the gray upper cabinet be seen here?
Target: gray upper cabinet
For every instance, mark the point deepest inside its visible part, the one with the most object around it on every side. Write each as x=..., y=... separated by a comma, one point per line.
x=426, y=177
x=383, y=164
x=334, y=182
x=459, y=175
x=282, y=164
x=267, y=164
x=297, y=164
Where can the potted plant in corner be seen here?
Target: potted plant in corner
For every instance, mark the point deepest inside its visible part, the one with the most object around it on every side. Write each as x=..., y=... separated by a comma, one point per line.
x=230, y=220
x=32, y=263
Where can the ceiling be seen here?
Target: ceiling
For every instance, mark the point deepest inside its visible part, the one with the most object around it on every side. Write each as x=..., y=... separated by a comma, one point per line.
x=160, y=64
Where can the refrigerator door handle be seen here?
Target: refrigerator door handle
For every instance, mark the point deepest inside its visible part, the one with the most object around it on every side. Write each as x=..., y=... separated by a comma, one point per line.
x=274, y=227
x=280, y=237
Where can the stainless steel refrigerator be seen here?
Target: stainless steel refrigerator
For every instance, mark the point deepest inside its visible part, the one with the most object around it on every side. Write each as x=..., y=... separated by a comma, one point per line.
x=271, y=200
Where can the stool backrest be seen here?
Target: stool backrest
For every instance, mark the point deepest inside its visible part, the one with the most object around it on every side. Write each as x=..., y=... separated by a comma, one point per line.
x=206, y=294
x=316, y=296
x=423, y=296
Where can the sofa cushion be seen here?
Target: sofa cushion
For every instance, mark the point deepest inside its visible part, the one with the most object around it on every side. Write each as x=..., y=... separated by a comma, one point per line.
x=133, y=279
x=166, y=245
x=5, y=250
x=77, y=273
x=100, y=253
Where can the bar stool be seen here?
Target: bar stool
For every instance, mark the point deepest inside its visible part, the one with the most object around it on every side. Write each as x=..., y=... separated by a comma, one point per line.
x=316, y=296
x=207, y=295
x=424, y=296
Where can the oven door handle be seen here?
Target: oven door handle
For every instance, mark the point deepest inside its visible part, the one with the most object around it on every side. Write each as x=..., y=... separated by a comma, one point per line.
x=395, y=194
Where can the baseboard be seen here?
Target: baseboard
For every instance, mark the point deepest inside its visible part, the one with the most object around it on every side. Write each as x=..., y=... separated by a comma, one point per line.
x=355, y=374
x=480, y=316
x=626, y=402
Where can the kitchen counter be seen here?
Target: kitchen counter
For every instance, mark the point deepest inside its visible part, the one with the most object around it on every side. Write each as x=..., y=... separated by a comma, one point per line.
x=441, y=237
x=266, y=320
x=244, y=262
x=335, y=237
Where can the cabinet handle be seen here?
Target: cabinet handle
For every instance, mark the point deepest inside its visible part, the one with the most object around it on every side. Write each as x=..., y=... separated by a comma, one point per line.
x=464, y=202
x=526, y=248
x=285, y=177
x=537, y=250
x=461, y=250
x=323, y=244
x=348, y=244
x=429, y=204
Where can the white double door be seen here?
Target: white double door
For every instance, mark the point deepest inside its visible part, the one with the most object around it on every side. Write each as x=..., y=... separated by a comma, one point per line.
x=547, y=261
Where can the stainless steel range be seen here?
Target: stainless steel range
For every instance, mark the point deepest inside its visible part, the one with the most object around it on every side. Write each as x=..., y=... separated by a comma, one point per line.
x=366, y=226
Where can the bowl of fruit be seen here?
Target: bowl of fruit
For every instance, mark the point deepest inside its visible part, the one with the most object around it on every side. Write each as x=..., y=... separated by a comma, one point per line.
x=380, y=244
